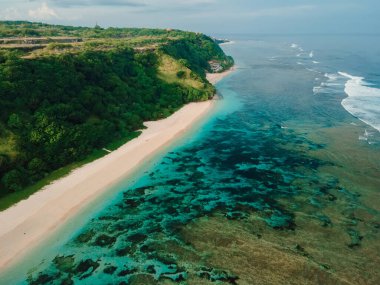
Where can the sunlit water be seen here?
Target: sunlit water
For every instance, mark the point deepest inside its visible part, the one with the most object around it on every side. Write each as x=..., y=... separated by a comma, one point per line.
x=280, y=171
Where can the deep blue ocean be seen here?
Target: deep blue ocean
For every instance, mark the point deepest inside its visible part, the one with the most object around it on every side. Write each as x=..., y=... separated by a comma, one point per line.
x=278, y=185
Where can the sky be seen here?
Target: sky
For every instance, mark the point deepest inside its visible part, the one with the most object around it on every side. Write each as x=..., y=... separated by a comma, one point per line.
x=207, y=16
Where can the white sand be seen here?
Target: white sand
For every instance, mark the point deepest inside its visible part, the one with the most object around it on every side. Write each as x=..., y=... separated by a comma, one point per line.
x=214, y=78
x=31, y=221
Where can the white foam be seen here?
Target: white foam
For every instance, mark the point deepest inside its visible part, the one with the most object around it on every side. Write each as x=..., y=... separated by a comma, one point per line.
x=315, y=62
x=311, y=54
x=331, y=85
x=363, y=101
x=367, y=136
x=295, y=46
x=331, y=76
x=227, y=43
x=363, y=138
x=272, y=58
x=317, y=89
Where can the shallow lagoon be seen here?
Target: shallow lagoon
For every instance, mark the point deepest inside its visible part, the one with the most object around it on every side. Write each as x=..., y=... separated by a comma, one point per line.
x=276, y=188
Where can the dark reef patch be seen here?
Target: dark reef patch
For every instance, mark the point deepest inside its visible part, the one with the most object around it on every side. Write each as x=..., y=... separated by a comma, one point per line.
x=236, y=171
x=248, y=167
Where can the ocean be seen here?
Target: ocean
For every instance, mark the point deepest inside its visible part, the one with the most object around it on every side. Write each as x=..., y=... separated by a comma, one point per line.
x=278, y=185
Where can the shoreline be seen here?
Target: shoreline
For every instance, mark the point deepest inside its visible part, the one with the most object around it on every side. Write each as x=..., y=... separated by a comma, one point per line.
x=214, y=78
x=29, y=222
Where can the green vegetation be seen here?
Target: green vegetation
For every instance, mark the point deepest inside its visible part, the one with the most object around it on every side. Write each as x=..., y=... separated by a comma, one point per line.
x=68, y=92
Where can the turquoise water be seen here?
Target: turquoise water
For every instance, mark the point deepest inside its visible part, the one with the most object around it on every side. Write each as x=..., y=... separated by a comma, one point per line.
x=280, y=162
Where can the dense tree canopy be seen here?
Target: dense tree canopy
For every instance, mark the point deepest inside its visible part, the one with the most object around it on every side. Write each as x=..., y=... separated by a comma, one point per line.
x=57, y=108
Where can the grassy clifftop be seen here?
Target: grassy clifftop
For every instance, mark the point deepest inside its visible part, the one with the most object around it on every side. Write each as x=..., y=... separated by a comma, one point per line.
x=68, y=92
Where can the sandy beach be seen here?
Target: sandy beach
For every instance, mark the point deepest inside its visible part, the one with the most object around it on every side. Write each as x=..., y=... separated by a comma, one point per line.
x=214, y=78
x=31, y=221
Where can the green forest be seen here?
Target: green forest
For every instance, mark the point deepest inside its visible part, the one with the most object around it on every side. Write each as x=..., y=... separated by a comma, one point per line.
x=64, y=99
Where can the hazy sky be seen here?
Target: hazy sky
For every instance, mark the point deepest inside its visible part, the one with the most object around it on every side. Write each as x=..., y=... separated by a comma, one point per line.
x=209, y=16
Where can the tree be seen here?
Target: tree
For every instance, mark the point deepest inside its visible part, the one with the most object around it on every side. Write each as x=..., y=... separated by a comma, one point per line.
x=13, y=180
x=59, y=107
x=14, y=121
x=181, y=74
x=36, y=165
